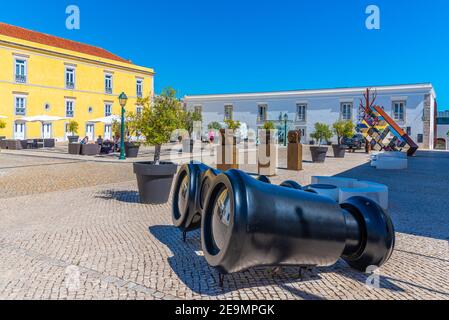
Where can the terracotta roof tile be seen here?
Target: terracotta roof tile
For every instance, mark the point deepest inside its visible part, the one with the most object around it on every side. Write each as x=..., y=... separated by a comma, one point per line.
x=49, y=40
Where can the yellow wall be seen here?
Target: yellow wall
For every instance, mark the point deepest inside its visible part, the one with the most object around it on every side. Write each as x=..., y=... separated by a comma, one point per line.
x=46, y=85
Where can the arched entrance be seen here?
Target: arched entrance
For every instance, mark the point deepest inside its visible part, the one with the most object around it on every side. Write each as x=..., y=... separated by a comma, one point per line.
x=441, y=144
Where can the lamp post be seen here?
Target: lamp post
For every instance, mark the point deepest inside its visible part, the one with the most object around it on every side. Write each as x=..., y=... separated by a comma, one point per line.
x=122, y=100
x=285, y=129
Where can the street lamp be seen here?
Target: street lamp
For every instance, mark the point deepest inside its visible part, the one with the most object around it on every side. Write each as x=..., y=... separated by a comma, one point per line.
x=285, y=128
x=122, y=100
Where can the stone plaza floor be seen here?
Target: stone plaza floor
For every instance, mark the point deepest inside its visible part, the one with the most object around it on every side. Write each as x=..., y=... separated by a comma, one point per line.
x=74, y=229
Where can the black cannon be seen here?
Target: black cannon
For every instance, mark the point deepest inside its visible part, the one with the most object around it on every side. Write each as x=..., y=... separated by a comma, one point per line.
x=191, y=188
x=185, y=212
x=247, y=223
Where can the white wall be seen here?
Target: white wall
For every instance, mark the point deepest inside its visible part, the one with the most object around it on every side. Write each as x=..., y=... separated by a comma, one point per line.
x=320, y=107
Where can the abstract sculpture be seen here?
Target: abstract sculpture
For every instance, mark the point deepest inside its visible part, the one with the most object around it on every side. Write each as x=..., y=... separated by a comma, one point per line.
x=294, y=151
x=247, y=223
x=377, y=126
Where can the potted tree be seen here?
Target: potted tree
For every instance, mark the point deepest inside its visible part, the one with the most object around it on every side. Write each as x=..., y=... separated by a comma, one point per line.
x=160, y=117
x=73, y=130
x=342, y=129
x=189, y=119
x=322, y=134
x=132, y=126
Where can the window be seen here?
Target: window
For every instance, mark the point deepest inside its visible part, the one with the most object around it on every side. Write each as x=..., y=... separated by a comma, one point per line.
x=301, y=110
x=229, y=112
x=198, y=109
x=398, y=110
x=47, y=107
x=70, y=78
x=139, y=88
x=139, y=109
x=262, y=113
x=90, y=109
x=346, y=111
x=108, y=83
x=69, y=108
x=21, y=70
x=20, y=105
x=107, y=109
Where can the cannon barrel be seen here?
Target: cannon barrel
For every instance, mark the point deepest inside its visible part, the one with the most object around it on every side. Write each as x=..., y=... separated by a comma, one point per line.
x=247, y=223
x=191, y=188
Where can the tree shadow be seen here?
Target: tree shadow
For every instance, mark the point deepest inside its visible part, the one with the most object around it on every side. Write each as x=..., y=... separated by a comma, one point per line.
x=193, y=270
x=128, y=196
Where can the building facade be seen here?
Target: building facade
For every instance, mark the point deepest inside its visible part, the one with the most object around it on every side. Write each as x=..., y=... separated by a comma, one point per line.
x=45, y=75
x=411, y=106
x=443, y=130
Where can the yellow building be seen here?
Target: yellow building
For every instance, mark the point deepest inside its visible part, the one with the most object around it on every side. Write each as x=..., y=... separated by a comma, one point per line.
x=46, y=75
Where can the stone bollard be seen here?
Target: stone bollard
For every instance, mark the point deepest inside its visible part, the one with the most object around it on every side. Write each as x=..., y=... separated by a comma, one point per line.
x=268, y=153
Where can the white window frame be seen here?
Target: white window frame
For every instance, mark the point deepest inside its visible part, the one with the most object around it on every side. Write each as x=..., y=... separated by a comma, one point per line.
x=226, y=108
x=343, y=113
x=107, y=105
x=139, y=83
x=139, y=109
x=68, y=70
x=262, y=118
x=301, y=116
x=72, y=101
x=198, y=109
x=25, y=69
x=398, y=116
x=106, y=80
x=24, y=106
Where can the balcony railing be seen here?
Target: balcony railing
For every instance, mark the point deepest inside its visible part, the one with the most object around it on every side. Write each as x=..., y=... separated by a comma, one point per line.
x=139, y=94
x=20, y=78
x=108, y=90
x=20, y=111
x=69, y=114
x=70, y=85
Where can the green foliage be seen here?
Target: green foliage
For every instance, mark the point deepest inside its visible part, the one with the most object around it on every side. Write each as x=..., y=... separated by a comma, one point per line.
x=189, y=119
x=116, y=128
x=160, y=118
x=214, y=126
x=73, y=127
x=132, y=123
x=343, y=129
x=322, y=132
x=232, y=125
x=269, y=125
x=2, y=124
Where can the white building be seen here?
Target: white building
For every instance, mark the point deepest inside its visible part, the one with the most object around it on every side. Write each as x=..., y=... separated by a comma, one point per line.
x=412, y=106
x=443, y=130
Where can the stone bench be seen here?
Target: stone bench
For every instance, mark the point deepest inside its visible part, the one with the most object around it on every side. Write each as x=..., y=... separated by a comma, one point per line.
x=346, y=188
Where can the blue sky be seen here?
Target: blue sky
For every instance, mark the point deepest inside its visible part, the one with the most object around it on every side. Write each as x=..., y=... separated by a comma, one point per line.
x=221, y=46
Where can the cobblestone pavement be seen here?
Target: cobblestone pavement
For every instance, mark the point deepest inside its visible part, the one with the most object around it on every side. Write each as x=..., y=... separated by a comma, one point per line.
x=83, y=235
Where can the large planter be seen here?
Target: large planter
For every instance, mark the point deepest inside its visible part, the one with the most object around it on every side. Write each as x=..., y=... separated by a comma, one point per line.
x=75, y=148
x=318, y=154
x=154, y=181
x=131, y=149
x=73, y=139
x=339, y=150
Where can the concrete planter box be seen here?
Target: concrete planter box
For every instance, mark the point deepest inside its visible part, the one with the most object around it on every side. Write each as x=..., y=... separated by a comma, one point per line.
x=90, y=149
x=75, y=148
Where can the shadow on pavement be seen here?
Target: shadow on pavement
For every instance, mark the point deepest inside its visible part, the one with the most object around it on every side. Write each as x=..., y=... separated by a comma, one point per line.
x=128, y=196
x=193, y=270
